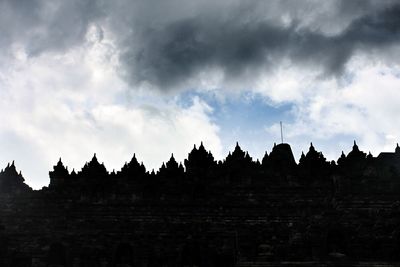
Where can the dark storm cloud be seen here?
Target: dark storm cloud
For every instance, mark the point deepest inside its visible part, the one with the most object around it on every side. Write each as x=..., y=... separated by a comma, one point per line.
x=374, y=31
x=42, y=26
x=167, y=43
x=171, y=54
x=177, y=51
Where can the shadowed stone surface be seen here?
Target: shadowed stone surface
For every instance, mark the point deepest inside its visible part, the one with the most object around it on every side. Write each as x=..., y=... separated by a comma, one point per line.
x=236, y=212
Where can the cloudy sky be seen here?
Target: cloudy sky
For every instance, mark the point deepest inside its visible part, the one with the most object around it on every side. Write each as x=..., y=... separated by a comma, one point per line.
x=154, y=77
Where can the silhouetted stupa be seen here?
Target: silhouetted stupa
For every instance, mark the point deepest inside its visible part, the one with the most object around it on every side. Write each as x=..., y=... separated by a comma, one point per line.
x=234, y=212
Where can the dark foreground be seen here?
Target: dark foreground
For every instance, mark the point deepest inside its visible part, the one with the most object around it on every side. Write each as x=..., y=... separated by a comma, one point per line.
x=232, y=213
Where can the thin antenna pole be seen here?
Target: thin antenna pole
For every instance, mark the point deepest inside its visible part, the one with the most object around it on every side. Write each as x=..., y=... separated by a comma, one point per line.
x=281, y=133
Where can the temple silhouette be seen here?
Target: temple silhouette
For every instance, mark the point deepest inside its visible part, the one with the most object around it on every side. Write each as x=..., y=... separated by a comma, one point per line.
x=203, y=212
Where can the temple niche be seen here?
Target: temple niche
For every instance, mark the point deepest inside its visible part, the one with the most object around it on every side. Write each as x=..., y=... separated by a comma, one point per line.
x=239, y=167
x=133, y=170
x=354, y=163
x=264, y=161
x=94, y=177
x=57, y=255
x=59, y=176
x=11, y=181
x=171, y=173
x=124, y=256
x=93, y=170
x=389, y=161
x=280, y=166
x=235, y=211
x=199, y=164
x=386, y=167
x=313, y=167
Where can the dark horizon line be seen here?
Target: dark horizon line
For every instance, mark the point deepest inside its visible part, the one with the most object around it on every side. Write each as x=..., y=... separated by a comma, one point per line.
x=216, y=161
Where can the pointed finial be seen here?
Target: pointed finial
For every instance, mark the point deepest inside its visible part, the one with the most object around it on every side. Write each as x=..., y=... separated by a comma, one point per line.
x=59, y=160
x=237, y=143
x=312, y=148
x=355, y=147
x=12, y=164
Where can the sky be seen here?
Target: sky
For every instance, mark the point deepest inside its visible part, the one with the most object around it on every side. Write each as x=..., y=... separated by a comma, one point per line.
x=155, y=77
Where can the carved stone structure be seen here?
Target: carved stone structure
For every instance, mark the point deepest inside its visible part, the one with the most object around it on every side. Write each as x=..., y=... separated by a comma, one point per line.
x=236, y=212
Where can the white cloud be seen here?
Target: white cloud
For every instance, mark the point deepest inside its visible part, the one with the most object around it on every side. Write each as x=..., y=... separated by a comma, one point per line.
x=363, y=107
x=61, y=91
x=73, y=104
